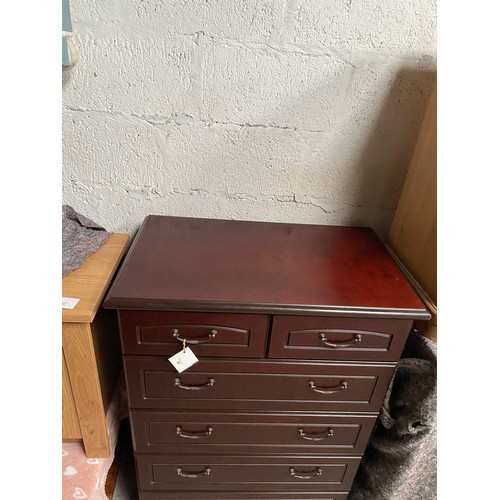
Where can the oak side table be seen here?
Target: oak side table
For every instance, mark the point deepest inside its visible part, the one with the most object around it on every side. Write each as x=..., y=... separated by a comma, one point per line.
x=91, y=357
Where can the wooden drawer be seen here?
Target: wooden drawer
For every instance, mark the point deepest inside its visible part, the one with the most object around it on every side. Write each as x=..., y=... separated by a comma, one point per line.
x=242, y=495
x=261, y=385
x=224, y=335
x=336, y=338
x=246, y=433
x=245, y=473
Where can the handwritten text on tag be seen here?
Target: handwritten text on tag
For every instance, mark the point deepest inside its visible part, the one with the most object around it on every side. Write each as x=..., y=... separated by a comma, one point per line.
x=183, y=359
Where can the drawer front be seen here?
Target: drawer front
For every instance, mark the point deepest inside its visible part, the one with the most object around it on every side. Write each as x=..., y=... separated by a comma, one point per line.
x=241, y=495
x=261, y=385
x=250, y=473
x=221, y=335
x=349, y=339
x=246, y=433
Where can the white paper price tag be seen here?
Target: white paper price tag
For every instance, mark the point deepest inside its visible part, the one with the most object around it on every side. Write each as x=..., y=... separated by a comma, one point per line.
x=183, y=359
x=69, y=302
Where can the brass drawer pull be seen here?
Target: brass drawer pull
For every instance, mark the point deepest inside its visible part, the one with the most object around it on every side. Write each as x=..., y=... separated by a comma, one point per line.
x=193, y=435
x=331, y=390
x=209, y=383
x=211, y=334
x=305, y=475
x=205, y=472
x=355, y=339
x=316, y=436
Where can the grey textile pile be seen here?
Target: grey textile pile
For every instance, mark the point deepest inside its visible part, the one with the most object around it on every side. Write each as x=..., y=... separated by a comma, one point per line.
x=81, y=237
x=401, y=461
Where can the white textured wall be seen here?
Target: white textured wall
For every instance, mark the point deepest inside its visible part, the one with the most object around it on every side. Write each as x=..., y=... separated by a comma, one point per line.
x=280, y=110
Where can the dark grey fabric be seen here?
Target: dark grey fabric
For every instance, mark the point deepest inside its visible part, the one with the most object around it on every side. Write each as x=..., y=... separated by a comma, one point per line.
x=401, y=461
x=81, y=237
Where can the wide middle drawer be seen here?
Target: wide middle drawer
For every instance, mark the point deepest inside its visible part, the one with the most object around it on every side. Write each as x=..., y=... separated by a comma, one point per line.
x=152, y=382
x=195, y=432
x=208, y=334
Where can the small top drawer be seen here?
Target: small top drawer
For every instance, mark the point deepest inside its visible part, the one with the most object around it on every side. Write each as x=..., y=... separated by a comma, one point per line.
x=224, y=335
x=337, y=338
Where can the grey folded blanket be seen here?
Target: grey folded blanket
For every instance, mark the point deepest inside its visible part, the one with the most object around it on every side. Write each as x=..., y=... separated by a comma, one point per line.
x=81, y=237
x=400, y=462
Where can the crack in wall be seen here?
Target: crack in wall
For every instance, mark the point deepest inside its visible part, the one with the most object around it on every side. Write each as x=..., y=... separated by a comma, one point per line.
x=177, y=119
x=210, y=122
x=285, y=49
x=301, y=199
x=147, y=192
x=280, y=47
x=182, y=119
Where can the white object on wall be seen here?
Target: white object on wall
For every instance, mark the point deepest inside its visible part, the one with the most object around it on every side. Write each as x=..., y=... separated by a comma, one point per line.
x=69, y=51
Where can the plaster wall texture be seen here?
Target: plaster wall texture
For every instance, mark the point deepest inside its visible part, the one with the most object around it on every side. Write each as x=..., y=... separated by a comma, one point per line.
x=302, y=111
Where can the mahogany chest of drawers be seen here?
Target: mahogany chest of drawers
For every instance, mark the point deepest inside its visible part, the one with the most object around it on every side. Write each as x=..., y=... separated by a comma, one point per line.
x=297, y=330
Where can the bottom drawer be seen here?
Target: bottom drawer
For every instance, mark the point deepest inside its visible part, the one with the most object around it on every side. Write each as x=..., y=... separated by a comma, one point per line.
x=243, y=495
x=245, y=473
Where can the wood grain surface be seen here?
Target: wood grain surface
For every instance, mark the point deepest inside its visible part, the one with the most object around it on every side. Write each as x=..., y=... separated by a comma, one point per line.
x=70, y=423
x=90, y=281
x=91, y=350
x=79, y=353
x=413, y=234
x=180, y=263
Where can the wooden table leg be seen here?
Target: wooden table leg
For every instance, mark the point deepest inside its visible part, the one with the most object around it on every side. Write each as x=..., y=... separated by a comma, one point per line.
x=84, y=378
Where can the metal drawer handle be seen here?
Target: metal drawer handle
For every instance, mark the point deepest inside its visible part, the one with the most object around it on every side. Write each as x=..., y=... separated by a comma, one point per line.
x=205, y=472
x=305, y=475
x=331, y=390
x=193, y=435
x=319, y=436
x=355, y=339
x=177, y=382
x=176, y=334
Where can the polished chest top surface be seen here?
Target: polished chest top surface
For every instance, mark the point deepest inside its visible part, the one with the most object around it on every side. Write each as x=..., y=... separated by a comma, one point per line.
x=180, y=263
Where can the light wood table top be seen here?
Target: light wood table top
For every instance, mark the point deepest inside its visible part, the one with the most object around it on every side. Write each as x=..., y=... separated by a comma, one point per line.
x=90, y=281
